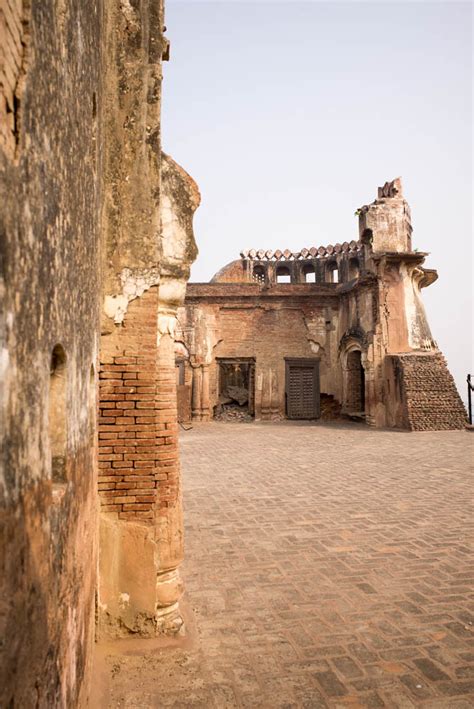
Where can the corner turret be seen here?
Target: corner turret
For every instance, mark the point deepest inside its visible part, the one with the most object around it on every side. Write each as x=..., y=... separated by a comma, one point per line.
x=385, y=224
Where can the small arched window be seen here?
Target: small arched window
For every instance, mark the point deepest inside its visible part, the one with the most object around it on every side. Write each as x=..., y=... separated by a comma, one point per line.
x=283, y=274
x=332, y=273
x=57, y=415
x=258, y=274
x=353, y=268
x=309, y=274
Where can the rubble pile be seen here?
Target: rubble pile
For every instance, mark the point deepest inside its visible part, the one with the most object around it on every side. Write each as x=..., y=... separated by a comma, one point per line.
x=233, y=405
x=233, y=412
x=330, y=408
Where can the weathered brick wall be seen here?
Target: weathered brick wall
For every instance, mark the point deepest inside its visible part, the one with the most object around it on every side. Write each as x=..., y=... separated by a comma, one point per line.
x=138, y=451
x=429, y=395
x=149, y=245
x=139, y=475
x=233, y=320
x=128, y=423
x=319, y=320
x=14, y=44
x=50, y=190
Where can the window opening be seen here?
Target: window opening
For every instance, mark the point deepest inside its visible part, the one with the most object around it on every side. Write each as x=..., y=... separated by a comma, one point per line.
x=332, y=273
x=283, y=275
x=258, y=274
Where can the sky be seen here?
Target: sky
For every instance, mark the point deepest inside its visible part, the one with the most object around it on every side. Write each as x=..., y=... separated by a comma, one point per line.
x=289, y=115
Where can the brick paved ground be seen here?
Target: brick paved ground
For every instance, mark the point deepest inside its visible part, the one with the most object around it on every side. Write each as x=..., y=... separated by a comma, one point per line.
x=327, y=566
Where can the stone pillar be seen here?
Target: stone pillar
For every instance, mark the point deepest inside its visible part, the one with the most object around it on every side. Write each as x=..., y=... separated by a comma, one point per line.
x=274, y=397
x=168, y=516
x=205, y=411
x=266, y=395
x=196, y=393
x=369, y=378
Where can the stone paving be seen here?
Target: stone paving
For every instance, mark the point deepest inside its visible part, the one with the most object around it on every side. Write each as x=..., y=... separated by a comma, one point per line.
x=327, y=566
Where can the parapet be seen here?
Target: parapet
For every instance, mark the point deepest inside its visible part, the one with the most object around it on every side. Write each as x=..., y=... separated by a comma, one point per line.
x=323, y=264
x=384, y=227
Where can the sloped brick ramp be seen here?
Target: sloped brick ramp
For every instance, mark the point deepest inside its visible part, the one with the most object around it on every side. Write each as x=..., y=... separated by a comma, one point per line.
x=431, y=398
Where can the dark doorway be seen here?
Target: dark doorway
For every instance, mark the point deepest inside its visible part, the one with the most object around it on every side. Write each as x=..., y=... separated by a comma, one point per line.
x=236, y=389
x=302, y=388
x=355, y=398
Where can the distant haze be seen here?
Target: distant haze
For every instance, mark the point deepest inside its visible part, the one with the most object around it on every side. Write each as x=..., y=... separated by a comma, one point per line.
x=289, y=115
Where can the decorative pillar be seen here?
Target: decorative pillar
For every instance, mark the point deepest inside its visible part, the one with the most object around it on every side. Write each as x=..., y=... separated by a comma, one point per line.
x=274, y=398
x=266, y=395
x=196, y=392
x=205, y=411
x=370, y=395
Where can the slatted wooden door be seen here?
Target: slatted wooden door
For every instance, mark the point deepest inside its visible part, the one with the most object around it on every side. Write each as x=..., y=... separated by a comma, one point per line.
x=302, y=388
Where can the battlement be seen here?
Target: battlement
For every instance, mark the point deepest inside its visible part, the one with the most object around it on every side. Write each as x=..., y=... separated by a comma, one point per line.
x=305, y=254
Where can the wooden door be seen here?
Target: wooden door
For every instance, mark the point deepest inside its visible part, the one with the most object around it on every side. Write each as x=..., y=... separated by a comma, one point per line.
x=302, y=388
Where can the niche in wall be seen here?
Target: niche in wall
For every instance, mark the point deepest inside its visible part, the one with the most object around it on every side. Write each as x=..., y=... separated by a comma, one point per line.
x=57, y=415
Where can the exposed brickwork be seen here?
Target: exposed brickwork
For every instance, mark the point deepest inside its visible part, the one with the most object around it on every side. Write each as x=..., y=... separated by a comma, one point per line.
x=138, y=450
x=431, y=399
x=128, y=444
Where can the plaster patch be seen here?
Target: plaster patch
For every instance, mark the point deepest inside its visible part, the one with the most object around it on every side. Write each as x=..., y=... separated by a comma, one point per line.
x=124, y=599
x=134, y=284
x=166, y=325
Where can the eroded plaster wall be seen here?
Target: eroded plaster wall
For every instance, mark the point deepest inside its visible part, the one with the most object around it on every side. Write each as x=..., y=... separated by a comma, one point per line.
x=149, y=246
x=230, y=321
x=50, y=189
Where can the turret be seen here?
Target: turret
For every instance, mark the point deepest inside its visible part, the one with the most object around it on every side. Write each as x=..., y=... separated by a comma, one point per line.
x=386, y=223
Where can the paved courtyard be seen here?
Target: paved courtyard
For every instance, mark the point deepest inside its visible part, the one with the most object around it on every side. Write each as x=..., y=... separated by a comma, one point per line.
x=327, y=566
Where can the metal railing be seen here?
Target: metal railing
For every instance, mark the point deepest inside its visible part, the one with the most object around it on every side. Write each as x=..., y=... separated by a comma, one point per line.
x=470, y=389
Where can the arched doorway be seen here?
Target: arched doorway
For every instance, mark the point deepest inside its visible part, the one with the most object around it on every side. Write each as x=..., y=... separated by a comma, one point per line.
x=355, y=383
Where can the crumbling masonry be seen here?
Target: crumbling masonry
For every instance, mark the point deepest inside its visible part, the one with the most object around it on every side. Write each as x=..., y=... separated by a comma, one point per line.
x=319, y=332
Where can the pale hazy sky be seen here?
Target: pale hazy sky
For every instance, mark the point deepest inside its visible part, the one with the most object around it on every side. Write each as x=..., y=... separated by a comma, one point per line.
x=290, y=114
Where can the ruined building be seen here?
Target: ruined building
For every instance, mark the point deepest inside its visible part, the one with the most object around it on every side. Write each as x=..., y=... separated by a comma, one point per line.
x=96, y=242
x=95, y=245
x=326, y=330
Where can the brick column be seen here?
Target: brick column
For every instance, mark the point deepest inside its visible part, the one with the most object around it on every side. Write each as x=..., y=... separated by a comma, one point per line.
x=266, y=395
x=141, y=523
x=196, y=393
x=127, y=442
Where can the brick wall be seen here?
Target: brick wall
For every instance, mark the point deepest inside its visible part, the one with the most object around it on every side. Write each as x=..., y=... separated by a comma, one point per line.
x=130, y=428
x=138, y=449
